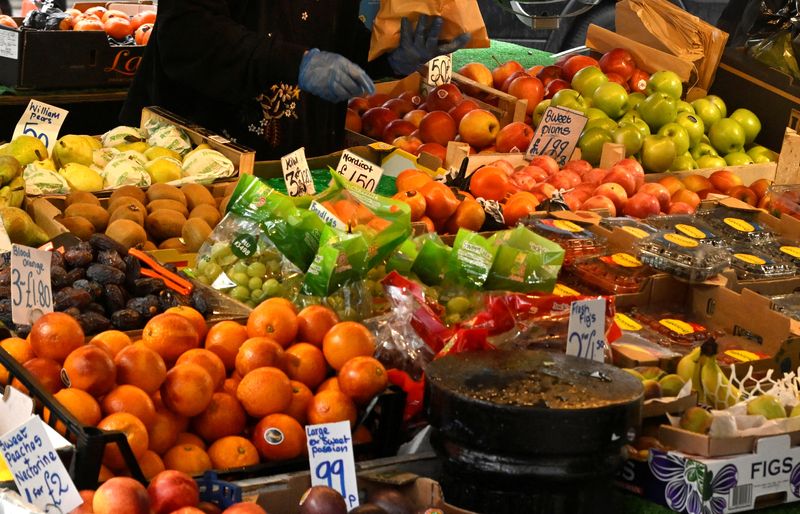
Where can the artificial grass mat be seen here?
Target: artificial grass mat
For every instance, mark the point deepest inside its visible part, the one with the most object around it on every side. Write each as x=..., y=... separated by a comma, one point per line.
x=502, y=52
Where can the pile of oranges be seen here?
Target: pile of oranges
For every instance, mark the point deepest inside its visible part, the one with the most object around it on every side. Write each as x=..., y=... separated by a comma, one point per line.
x=190, y=397
x=115, y=23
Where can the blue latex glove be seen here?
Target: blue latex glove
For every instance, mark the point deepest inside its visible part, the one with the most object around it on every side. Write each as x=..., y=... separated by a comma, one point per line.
x=332, y=77
x=421, y=44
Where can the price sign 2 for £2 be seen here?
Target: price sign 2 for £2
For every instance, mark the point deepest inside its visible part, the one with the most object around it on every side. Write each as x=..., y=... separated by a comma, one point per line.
x=557, y=134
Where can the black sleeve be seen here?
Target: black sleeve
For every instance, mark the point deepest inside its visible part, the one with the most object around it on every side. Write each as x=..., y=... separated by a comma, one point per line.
x=203, y=47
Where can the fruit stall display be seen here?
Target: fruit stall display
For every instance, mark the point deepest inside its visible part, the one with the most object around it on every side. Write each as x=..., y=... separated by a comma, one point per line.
x=121, y=27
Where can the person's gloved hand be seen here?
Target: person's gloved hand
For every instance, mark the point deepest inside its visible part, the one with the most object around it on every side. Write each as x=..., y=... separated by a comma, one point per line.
x=421, y=44
x=332, y=77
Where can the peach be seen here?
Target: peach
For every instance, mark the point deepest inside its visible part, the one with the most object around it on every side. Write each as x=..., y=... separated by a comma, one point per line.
x=397, y=128
x=564, y=179
x=399, y=106
x=479, y=128
x=121, y=495
x=437, y=127
x=479, y=73
x=680, y=208
x=415, y=116
x=413, y=97
x=760, y=187
x=599, y=202
x=641, y=205
x=672, y=183
x=623, y=176
x=359, y=104
x=550, y=165
x=659, y=192
x=686, y=196
x=594, y=176
x=410, y=144
x=170, y=490
x=744, y=194
x=696, y=183
x=615, y=192
x=725, y=180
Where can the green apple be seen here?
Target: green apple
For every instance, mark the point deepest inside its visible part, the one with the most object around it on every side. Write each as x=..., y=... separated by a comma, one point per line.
x=693, y=125
x=658, y=153
x=738, y=159
x=538, y=113
x=707, y=111
x=594, y=112
x=749, y=122
x=591, y=144
x=714, y=99
x=710, y=161
x=679, y=136
x=762, y=154
x=587, y=80
x=629, y=135
x=634, y=99
x=684, y=106
x=726, y=136
x=667, y=82
x=570, y=99
x=683, y=162
x=603, y=123
x=633, y=118
x=658, y=109
x=702, y=149
x=610, y=98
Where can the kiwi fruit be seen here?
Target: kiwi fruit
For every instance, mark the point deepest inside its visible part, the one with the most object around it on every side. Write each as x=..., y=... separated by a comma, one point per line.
x=94, y=213
x=172, y=205
x=207, y=213
x=223, y=205
x=165, y=192
x=81, y=197
x=79, y=226
x=125, y=201
x=173, y=243
x=149, y=246
x=131, y=191
x=195, y=232
x=197, y=194
x=164, y=224
x=127, y=233
x=129, y=212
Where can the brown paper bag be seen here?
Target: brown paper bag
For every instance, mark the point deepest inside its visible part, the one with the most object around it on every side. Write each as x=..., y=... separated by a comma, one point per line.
x=666, y=27
x=460, y=16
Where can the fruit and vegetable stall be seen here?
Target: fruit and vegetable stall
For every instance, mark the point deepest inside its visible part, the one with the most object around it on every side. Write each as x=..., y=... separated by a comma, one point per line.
x=528, y=283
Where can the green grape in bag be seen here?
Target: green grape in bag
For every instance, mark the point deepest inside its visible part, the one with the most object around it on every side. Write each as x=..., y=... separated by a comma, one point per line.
x=432, y=257
x=341, y=259
x=470, y=260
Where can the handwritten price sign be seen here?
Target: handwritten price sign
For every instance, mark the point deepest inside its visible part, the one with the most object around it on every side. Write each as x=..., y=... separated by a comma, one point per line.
x=41, y=121
x=440, y=70
x=330, y=457
x=359, y=171
x=557, y=134
x=31, y=294
x=587, y=329
x=296, y=174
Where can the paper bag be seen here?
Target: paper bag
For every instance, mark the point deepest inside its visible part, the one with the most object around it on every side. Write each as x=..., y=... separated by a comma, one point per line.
x=460, y=16
x=666, y=27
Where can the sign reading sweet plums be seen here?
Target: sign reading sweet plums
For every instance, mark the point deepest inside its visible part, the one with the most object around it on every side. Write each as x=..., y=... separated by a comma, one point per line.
x=557, y=135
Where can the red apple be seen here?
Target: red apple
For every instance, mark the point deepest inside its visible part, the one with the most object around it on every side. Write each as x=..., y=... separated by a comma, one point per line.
x=503, y=165
x=696, y=183
x=638, y=81
x=600, y=202
x=522, y=180
x=514, y=137
x=121, y=495
x=503, y=71
x=659, y=192
x=594, y=176
x=575, y=64
x=616, y=77
x=352, y=121
x=623, y=176
x=641, y=205
x=400, y=106
x=550, y=165
x=463, y=108
x=437, y=127
x=514, y=76
x=527, y=88
x=378, y=99
x=415, y=116
x=614, y=192
x=170, y=490
x=760, y=187
x=359, y=104
x=413, y=97
x=618, y=61
x=397, y=128
x=744, y=194
x=578, y=166
x=725, y=180
x=635, y=167
x=375, y=120
x=536, y=173
x=680, y=208
x=534, y=70
x=672, y=183
x=479, y=73
x=564, y=179
x=555, y=86
x=479, y=128
x=434, y=149
x=686, y=196
x=410, y=144
x=444, y=97
x=549, y=74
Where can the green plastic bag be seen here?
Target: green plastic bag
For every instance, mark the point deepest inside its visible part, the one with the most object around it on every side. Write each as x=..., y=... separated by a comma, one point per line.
x=431, y=262
x=471, y=259
x=341, y=259
x=524, y=262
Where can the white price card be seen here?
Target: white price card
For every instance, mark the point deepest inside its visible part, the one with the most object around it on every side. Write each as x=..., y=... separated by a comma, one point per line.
x=587, y=329
x=296, y=173
x=42, y=121
x=440, y=70
x=557, y=135
x=40, y=475
x=359, y=171
x=330, y=459
x=31, y=293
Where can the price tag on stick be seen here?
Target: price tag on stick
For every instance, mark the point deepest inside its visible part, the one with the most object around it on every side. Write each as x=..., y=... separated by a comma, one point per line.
x=31, y=293
x=42, y=121
x=330, y=457
x=557, y=134
x=587, y=329
x=359, y=171
x=440, y=70
x=296, y=174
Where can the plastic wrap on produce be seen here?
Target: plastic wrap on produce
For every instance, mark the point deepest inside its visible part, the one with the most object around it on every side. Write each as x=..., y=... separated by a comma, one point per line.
x=168, y=136
x=42, y=181
x=120, y=135
x=207, y=164
x=125, y=170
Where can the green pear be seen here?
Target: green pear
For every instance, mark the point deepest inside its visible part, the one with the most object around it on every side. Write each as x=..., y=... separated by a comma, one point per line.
x=154, y=152
x=671, y=384
x=650, y=372
x=138, y=146
x=634, y=373
x=82, y=177
x=26, y=149
x=696, y=419
x=652, y=389
x=20, y=227
x=9, y=169
x=766, y=405
x=72, y=148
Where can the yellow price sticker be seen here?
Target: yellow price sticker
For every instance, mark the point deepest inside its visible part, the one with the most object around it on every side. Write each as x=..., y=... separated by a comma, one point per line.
x=749, y=259
x=627, y=260
x=635, y=232
x=567, y=225
x=739, y=224
x=677, y=326
x=562, y=290
x=626, y=323
x=686, y=242
x=690, y=231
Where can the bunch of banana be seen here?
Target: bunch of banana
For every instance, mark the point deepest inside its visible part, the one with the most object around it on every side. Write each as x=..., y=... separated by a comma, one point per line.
x=709, y=382
x=12, y=194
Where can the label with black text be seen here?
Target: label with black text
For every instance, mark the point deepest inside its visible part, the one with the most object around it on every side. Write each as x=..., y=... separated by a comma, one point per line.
x=41, y=121
x=330, y=459
x=296, y=174
x=31, y=293
x=587, y=329
x=359, y=171
x=557, y=135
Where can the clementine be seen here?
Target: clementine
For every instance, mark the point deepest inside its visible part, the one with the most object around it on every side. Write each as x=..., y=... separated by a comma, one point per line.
x=273, y=320
x=46, y=371
x=224, y=339
x=187, y=458
x=259, y=352
x=313, y=323
x=151, y=464
x=306, y=363
x=163, y=431
x=135, y=432
x=362, y=379
x=232, y=452
x=264, y=391
x=19, y=349
x=193, y=315
x=223, y=417
x=331, y=406
x=112, y=341
x=140, y=366
x=187, y=390
x=209, y=361
x=55, y=335
x=279, y=437
x=80, y=404
x=301, y=397
x=90, y=369
x=169, y=335
x=346, y=340
x=130, y=399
